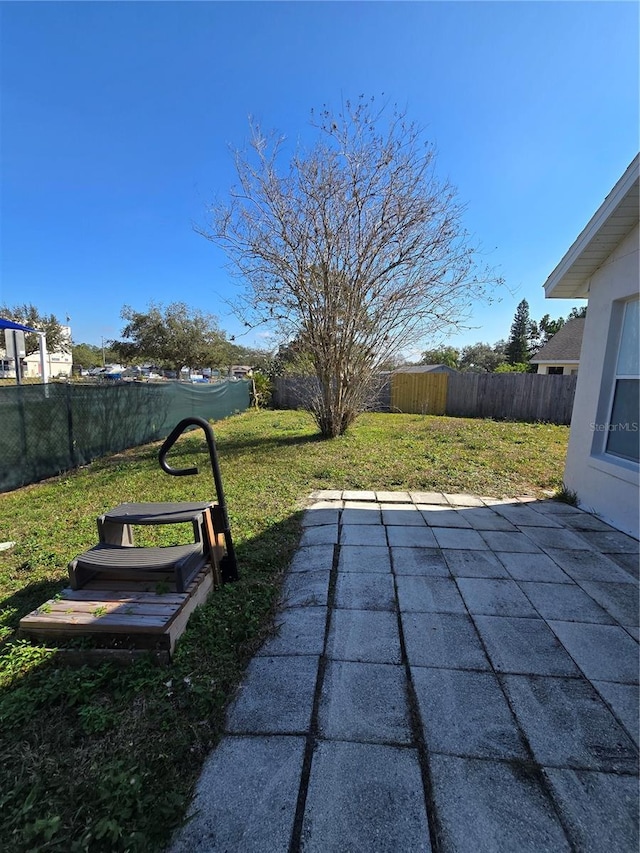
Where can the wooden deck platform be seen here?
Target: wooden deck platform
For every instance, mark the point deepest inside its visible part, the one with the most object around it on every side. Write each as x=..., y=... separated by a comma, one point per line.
x=120, y=616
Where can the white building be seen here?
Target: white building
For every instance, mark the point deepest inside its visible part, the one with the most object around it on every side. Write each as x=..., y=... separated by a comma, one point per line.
x=603, y=265
x=56, y=363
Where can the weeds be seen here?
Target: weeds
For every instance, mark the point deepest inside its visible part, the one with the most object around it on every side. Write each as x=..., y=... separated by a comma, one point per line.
x=566, y=495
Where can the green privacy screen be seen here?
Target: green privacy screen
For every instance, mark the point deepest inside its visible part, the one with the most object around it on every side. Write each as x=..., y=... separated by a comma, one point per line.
x=47, y=429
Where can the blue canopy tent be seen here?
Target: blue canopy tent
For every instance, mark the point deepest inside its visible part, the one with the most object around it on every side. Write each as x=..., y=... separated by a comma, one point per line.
x=16, y=327
x=11, y=326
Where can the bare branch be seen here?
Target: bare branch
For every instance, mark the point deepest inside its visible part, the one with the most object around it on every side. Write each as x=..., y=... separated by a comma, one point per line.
x=356, y=249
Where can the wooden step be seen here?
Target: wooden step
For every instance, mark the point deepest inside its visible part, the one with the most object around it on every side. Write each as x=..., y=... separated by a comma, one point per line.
x=184, y=561
x=131, y=617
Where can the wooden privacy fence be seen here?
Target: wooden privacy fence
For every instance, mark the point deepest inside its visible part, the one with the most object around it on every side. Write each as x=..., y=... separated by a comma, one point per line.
x=419, y=393
x=508, y=396
x=512, y=396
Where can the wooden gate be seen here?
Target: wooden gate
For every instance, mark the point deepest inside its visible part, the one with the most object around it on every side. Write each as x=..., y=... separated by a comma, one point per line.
x=419, y=393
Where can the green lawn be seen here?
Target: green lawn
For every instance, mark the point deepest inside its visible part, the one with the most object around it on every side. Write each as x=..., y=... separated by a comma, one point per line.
x=104, y=758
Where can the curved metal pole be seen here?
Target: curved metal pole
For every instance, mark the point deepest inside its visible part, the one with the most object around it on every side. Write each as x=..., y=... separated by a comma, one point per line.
x=168, y=443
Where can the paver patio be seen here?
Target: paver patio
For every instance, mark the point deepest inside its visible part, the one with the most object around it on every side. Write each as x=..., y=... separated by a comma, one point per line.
x=450, y=673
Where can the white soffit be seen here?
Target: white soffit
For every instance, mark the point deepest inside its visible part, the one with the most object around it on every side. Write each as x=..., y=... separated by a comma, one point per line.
x=613, y=220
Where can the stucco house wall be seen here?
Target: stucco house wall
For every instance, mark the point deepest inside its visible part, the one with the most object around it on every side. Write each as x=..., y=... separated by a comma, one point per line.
x=604, y=483
x=568, y=368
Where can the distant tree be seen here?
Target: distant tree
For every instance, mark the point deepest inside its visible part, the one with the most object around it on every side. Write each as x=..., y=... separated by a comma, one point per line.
x=257, y=358
x=481, y=358
x=543, y=331
x=89, y=355
x=174, y=337
x=292, y=359
x=392, y=363
x=577, y=313
x=512, y=368
x=355, y=248
x=28, y=315
x=518, y=349
x=445, y=355
x=547, y=328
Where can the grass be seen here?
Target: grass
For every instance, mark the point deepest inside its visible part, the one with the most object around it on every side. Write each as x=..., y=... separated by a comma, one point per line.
x=105, y=758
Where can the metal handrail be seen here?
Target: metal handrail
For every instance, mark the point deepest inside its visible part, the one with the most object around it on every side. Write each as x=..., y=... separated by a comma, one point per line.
x=229, y=562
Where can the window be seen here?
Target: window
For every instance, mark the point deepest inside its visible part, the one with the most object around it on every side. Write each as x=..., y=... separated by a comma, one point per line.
x=623, y=428
x=557, y=371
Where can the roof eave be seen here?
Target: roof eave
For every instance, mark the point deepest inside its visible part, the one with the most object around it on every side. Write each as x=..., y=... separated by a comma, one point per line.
x=554, y=361
x=571, y=277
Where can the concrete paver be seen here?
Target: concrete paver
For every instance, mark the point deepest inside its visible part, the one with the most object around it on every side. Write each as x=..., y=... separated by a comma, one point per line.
x=358, y=496
x=474, y=564
x=623, y=701
x=326, y=534
x=493, y=597
x=552, y=537
x=368, y=636
x=611, y=542
x=428, y=498
x=441, y=516
x=358, y=515
x=584, y=521
x=419, y=561
x=305, y=588
x=487, y=806
x=364, y=796
x=320, y=515
x=464, y=500
x=364, y=702
x=601, y=809
x=428, y=595
x=256, y=800
x=443, y=640
x=526, y=515
x=464, y=540
x=486, y=519
x=564, y=602
x=318, y=558
x=401, y=515
x=297, y=631
x=532, y=567
x=393, y=497
x=364, y=559
x=568, y=725
x=363, y=534
x=411, y=537
x=500, y=540
x=365, y=591
x=618, y=599
x=466, y=713
x=523, y=645
x=276, y=696
x=446, y=672
x=604, y=652
x=588, y=566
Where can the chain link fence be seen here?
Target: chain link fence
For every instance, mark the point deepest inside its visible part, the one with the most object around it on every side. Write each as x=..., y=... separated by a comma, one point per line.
x=47, y=429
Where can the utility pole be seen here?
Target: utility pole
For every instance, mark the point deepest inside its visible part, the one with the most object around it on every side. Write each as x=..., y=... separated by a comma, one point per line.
x=103, y=361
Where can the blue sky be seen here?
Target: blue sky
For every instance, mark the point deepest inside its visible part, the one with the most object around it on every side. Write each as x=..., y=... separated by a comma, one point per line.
x=117, y=120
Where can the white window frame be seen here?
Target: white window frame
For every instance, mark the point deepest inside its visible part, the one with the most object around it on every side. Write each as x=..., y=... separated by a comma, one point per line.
x=608, y=454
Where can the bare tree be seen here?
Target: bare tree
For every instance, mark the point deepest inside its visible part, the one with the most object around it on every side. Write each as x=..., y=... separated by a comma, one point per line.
x=356, y=250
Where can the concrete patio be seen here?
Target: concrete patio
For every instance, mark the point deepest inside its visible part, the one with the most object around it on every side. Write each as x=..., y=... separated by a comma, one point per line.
x=450, y=673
